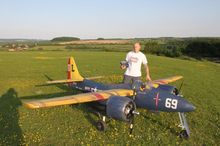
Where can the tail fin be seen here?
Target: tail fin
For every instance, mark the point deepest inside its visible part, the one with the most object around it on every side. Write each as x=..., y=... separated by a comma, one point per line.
x=72, y=72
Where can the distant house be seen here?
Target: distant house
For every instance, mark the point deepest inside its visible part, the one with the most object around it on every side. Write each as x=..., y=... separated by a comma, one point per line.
x=11, y=50
x=13, y=46
x=25, y=47
x=18, y=47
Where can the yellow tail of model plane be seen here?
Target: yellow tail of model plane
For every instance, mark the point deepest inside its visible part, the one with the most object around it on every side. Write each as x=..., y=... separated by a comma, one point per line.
x=73, y=74
x=72, y=71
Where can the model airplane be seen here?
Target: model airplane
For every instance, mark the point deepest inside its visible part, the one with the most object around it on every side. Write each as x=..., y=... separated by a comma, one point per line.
x=120, y=101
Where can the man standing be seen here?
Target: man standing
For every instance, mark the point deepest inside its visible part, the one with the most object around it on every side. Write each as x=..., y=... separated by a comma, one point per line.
x=134, y=61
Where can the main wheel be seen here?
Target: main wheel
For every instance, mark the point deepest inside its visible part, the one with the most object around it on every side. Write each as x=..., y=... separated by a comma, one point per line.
x=101, y=125
x=183, y=134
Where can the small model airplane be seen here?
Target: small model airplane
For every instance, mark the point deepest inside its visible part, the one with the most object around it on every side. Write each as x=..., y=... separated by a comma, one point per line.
x=120, y=101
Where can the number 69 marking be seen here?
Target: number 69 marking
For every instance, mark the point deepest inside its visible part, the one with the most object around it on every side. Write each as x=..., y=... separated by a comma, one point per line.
x=171, y=103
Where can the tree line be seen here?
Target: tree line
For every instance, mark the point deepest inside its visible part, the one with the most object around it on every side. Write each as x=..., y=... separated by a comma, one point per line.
x=197, y=48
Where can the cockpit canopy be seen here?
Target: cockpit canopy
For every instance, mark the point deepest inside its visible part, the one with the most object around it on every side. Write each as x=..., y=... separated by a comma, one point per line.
x=147, y=86
x=138, y=85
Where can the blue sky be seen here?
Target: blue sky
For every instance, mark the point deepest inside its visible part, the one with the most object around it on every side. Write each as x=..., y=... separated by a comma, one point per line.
x=45, y=19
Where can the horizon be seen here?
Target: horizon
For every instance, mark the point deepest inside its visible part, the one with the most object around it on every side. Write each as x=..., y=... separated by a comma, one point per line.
x=45, y=20
x=81, y=39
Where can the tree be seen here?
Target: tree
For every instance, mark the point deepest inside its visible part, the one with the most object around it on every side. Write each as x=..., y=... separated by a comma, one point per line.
x=100, y=39
x=65, y=39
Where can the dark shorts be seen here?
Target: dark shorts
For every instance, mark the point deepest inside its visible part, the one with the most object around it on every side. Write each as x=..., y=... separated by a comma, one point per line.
x=129, y=79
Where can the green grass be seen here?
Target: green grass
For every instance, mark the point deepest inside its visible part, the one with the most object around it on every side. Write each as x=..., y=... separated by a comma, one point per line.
x=87, y=47
x=21, y=72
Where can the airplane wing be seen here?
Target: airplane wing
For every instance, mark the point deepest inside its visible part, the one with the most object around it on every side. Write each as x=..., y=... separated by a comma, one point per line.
x=167, y=80
x=79, y=98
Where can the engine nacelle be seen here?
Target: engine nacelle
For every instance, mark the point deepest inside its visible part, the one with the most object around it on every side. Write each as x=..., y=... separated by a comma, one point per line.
x=120, y=108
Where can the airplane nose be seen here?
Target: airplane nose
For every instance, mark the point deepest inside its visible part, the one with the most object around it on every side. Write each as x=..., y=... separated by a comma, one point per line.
x=189, y=107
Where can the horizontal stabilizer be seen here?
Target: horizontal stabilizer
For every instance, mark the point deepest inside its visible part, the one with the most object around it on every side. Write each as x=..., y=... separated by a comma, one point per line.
x=72, y=80
x=63, y=81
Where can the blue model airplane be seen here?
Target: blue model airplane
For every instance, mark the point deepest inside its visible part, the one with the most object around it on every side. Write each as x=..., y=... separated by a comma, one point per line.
x=120, y=101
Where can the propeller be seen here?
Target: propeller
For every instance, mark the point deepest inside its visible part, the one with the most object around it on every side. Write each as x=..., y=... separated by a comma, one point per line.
x=179, y=90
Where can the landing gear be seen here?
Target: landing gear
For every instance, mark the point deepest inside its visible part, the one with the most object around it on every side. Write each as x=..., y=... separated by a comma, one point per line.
x=99, y=110
x=131, y=128
x=185, y=132
x=101, y=124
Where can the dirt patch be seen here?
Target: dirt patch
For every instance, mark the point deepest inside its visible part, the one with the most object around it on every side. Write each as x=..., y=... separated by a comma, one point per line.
x=48, y=58
x=43, y=58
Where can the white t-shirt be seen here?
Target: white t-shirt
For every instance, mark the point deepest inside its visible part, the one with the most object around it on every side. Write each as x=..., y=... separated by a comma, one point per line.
x=135, y=60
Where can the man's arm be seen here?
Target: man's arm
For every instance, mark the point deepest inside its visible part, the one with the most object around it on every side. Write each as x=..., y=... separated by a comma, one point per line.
x=123, y=65
x=145, y=62
x=148, y=78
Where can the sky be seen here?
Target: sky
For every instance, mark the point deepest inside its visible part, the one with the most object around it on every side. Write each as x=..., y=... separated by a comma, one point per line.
x=90, y=19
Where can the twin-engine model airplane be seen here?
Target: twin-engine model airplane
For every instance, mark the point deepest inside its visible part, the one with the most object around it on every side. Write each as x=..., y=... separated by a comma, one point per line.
x=120, y=101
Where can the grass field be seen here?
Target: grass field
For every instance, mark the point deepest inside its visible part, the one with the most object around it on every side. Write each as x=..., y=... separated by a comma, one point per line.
x=21, y=72
x=87, y=47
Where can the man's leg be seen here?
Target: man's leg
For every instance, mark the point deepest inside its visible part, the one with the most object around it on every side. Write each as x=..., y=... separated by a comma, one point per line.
x=127, y=79
x=135, y=79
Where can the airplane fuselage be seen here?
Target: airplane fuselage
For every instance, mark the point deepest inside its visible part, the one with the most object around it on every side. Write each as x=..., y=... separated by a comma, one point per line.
x=155, y=99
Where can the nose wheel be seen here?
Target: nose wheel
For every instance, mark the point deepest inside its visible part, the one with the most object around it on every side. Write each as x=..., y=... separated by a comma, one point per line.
x=185, y=132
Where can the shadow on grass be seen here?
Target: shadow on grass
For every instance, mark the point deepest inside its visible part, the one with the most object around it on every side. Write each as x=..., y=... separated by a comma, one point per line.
x=60, y=86
x=68, y=91
x=94, y=108
x=167, y=127
x=10, y=131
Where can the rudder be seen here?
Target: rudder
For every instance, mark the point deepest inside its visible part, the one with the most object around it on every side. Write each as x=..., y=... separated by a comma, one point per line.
x=72, y=71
